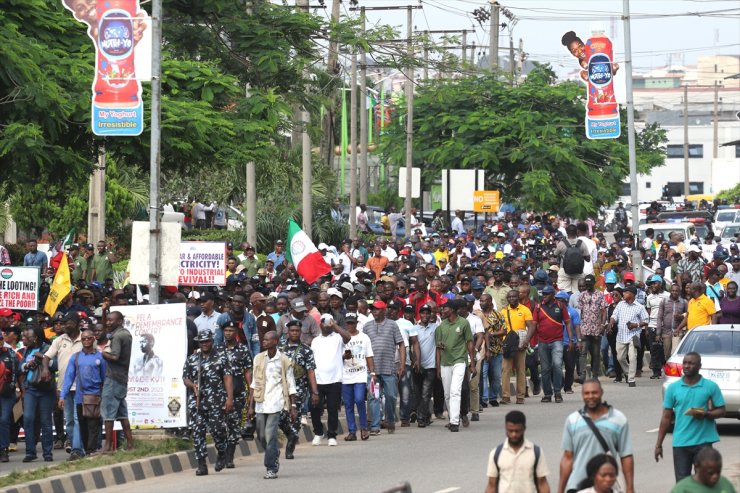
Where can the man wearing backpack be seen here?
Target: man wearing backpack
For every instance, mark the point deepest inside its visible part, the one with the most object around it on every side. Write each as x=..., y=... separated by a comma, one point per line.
x=573, y=254
x=517, y=464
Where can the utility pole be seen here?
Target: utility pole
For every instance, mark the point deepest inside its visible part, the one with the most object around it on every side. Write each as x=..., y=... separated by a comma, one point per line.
x=409, y=121
x=464, y=48
x=155, y=156
x=715, y=123
x=686, y=141
x=307, y=223
x=636, y=259
x=472, y=56
x=353, y=150
x=426, y=62
x=512, y=62
x=493, y=42
x=327, y=136
x=96, y=200
x=364, y=184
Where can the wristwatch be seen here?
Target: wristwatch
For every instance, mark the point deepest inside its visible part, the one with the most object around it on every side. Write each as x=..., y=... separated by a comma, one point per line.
x=293, y=406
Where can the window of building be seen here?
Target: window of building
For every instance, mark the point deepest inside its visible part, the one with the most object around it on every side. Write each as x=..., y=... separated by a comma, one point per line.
x=737, y=150
x=676, y=151
x=647, y=184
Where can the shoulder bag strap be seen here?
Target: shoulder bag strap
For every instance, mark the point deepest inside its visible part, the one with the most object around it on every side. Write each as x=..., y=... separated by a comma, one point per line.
x=595, y=430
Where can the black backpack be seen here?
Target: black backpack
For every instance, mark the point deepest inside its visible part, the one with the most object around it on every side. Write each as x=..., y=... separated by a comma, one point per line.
x=573, y=260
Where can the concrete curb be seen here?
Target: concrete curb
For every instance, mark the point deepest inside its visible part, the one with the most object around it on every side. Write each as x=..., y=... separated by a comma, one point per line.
x=137, y=470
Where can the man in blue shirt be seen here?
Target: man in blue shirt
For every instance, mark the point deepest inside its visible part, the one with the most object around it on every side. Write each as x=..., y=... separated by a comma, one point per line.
x=86, y=370
x=278, y=255
x=687, y=401
x=34, y=258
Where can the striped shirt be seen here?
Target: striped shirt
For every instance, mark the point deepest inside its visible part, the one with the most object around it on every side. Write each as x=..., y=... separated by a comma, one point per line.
x=626, y=313
x=384, y=337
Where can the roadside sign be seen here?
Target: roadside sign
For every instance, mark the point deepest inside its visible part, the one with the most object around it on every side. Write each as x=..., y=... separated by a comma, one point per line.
x=486, y=201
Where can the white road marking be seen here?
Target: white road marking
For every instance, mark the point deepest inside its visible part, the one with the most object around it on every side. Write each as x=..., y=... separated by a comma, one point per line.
x=448, y=490
x=654, y=430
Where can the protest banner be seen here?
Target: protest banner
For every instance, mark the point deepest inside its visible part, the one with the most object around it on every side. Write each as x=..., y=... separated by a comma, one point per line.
x=156, y=394
x=19, y=287
x=202, y=263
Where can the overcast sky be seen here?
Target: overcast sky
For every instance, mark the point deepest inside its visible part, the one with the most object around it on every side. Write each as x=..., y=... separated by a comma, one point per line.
x=658, y=29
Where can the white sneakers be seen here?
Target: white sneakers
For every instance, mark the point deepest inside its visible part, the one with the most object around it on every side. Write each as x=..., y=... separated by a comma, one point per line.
x=317, y=441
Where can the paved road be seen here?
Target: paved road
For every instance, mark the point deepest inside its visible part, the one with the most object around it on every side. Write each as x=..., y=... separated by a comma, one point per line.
x=435, y=460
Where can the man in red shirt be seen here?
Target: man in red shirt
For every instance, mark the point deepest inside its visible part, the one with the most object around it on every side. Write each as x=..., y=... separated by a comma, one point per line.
x=549, y=318
x=422, y=295
x=532, y=360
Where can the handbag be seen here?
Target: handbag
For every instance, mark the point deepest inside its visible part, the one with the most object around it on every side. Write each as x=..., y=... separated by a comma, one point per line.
x=90, y=402
x=511, y=341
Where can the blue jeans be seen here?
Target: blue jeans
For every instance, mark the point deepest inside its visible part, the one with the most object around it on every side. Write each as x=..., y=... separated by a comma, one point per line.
x=389, y=389
x=551, y=360
x=267, y=428
x=354, y=394
x=41, y=403
x=608, y=362
x=72, y=424
x=491, y=376
x=406, y=394
x=6, y=418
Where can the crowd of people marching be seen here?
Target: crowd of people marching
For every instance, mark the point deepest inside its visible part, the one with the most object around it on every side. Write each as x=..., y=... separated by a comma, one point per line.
x=401, y=332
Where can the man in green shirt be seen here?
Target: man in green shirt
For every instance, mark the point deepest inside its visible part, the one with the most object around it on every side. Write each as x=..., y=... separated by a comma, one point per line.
x=707, y=477
x=102, y=263
x=79, y=262
x=251, y=263
x=454, y=350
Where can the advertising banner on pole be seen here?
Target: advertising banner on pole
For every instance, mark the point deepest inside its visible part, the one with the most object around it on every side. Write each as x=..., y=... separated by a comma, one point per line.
x=19, y=287
x=596, y=59
x=117, y=28
x=202, y=263
x=156, y=394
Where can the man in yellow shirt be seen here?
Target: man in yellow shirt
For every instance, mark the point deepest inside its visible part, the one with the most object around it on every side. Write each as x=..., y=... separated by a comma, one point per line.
x=701, y=310
x=518, y=318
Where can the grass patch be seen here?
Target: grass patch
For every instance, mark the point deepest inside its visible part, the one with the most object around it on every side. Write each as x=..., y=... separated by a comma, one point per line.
x=142, y=449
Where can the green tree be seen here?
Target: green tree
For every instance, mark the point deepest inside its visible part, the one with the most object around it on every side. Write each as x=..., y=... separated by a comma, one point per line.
x=529, y=139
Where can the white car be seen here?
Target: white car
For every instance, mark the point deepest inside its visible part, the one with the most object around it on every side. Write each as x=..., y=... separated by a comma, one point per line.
x=723, y=217
x=730, y=234
x=719, y=347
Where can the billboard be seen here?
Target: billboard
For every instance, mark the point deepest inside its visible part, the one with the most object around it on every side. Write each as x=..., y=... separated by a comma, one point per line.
x=595, y=58
x=117, y=28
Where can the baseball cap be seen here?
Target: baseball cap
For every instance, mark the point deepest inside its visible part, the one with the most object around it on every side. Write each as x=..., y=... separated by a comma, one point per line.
x=278, y=242
x=409, y=308
x=553, y=268
x=562, y=295
x=380, y=304
x=323, y=246
x=541, y=276
x=204, y=335
x=590, y=278
x=194, y=311
x=628, y=276
x=610, y=277
x=425, y=308
x=693, y=248
x=631, y=289
x=334, y=292
x=292, y=322
x=548, y=290
x=350, y=318
x=348, y=286
x=72, y=317
x=395, y=304
x=6, y=312
x=298, y=305
x=477, y=284
x=469, y=298
x=655, y=278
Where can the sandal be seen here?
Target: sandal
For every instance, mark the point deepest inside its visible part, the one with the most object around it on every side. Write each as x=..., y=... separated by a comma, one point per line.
x=364, y=434
x=351, y=437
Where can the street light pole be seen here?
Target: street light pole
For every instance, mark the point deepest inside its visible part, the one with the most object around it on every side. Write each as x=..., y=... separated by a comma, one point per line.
x=155, y=157
x=409, y=122
x=636, y=259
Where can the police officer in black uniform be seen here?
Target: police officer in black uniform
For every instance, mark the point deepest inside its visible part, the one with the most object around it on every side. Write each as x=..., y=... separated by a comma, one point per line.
x=305, y=379
x=207, y=375
x=240, y=362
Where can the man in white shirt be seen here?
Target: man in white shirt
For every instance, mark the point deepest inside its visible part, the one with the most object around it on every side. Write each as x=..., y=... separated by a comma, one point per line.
x=273, y=392
x=386, y=250
x=458, y=227
x=588, y=267
x=328, y=351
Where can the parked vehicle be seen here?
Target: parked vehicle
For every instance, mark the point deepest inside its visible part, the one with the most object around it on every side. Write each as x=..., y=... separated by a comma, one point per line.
x=719, y=347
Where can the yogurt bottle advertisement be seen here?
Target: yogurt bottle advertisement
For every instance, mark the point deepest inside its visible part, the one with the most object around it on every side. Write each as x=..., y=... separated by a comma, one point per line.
x=119, y=30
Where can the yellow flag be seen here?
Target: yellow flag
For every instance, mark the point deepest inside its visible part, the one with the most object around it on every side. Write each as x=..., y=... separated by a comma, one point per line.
x=60, y=288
